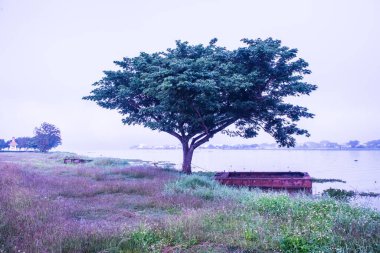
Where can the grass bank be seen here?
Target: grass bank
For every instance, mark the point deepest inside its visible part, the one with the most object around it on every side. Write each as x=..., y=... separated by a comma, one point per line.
x=111, y=205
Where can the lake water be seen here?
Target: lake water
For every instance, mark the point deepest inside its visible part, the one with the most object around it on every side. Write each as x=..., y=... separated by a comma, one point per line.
x=360, y=169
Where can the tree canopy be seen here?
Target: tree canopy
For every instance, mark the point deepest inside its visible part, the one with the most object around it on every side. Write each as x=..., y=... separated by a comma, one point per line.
x=3, y=144
x=47, y=136
x=353, y=144
x=373, y=144
x=26, y=142
x=193, y=92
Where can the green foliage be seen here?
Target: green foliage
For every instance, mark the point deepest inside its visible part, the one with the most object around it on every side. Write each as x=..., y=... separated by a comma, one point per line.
x=3, y=144
x=195, y=91
x=195, y=182
x=327, y=180
x=339, y=194
x=139, y=241
x=353, y=144
x=89, y=243
x=344, y=195
x=277, y=204
x=274, y=222
x=110, y=162
x=26, y=142
x=369, y=194
x=291, y=244
x=47, y=136
x=373, y=144
x=207, y=188
x=200, y=186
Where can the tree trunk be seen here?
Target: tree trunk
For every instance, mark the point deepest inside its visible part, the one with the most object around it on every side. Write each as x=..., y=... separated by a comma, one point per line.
x=187, y=157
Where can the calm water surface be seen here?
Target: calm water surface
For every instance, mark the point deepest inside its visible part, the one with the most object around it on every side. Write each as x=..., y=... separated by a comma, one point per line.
x=360, y=169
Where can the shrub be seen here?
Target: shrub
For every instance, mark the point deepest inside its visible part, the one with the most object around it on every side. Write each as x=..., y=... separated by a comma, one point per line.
x=294, y=243
x=206, y=188
x=109, y=162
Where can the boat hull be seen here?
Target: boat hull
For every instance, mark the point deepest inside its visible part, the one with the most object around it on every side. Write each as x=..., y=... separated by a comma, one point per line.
x=289, y=181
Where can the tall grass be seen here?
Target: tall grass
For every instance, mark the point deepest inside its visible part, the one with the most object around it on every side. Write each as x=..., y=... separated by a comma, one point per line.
x=123, y=208
x=71, y=210
x=30, y=221
x=261, y=222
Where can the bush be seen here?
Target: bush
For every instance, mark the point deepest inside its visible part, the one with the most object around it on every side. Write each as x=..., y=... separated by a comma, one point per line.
x=293, y=243
x=108, y=162
x=199, y=186
x=207, y=188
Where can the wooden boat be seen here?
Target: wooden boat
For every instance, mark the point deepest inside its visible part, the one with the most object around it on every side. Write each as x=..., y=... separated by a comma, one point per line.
x=289, y=181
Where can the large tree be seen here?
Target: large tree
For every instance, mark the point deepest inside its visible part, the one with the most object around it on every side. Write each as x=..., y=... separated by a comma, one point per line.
x=193, y=92
x=47, y=136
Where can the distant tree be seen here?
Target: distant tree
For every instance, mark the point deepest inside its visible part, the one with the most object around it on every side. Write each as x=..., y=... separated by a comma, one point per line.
x=21, y=142
x=353, y=144
x=328, y=144
x=32, y=143
x=311, y=145
x=47, y=136
x=8, y=143
x=373, y=144
x=26, y=142
x=193, y=92
x=3, y=144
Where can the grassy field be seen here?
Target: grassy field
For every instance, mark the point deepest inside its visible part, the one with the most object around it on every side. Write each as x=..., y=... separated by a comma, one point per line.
x=112, y=205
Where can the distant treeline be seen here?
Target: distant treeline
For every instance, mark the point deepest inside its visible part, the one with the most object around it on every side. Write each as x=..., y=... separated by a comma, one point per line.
x=26, y=143
x=354, y=144
x=46, y=137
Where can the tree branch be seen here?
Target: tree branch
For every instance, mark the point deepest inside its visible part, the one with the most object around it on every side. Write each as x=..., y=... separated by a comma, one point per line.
x=205, y=138
x=181, y=130
x=197, y=138
x=179, y=137
x=212, y=132
x=200, y=118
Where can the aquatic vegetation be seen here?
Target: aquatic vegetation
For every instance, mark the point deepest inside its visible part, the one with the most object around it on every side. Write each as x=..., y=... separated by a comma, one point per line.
x=345, y=195
x=327, y=180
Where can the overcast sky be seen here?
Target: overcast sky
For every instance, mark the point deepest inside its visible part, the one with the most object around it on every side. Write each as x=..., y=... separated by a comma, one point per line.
x=52, y=51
